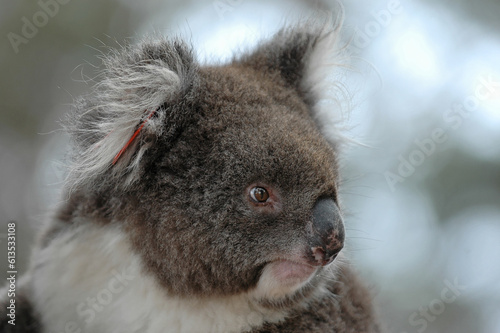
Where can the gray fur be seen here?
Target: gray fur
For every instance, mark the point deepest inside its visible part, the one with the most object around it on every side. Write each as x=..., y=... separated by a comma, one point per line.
x=180, y=190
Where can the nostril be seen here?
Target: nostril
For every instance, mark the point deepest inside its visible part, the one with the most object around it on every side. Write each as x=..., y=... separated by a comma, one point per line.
x=324, y=257
x=319, y=254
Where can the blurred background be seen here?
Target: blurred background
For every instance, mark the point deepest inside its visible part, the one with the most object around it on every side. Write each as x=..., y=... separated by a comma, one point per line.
x=421, y=187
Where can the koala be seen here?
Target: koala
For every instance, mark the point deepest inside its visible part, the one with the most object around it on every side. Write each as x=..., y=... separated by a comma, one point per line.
x=199, y=199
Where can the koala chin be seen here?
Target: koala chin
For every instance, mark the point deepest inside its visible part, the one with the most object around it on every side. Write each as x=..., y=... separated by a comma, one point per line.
x=200, y=199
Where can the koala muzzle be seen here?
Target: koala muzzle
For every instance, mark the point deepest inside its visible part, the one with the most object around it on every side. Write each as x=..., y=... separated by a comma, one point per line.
x=327, y=238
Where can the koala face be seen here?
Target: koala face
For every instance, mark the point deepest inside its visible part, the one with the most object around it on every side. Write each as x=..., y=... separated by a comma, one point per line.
x=230, y=187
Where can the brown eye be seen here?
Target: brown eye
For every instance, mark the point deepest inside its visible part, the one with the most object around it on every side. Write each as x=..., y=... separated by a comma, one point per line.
x=259, y=194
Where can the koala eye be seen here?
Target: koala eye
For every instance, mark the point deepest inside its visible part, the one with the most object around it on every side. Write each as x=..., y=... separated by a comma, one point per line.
x=259, y=194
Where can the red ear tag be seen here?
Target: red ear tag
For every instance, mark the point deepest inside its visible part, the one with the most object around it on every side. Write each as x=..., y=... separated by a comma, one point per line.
x=136, y=133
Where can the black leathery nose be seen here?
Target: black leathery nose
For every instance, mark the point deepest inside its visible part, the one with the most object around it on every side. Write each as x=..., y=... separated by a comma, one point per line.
x=328, y=231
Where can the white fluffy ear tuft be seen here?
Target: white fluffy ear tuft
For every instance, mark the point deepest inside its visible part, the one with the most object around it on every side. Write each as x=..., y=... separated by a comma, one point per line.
x=138, y=88
x=324, y=56
x=308, y=57
x=324, y=78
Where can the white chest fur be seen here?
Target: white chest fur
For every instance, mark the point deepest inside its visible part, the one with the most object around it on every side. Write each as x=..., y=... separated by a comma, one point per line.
x=89, y=280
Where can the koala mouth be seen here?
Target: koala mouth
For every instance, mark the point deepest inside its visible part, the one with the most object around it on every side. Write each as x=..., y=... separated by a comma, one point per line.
x=283, y=277
x=291, y=272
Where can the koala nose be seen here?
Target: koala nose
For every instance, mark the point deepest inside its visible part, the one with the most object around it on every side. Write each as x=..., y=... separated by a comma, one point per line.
x=327, y=238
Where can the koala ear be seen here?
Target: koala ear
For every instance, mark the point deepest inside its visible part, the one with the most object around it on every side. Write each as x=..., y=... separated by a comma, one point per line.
x=136, y=101
x=298, y=56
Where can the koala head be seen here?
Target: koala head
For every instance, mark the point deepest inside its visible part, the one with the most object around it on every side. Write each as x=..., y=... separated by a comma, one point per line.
x=220, y=175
